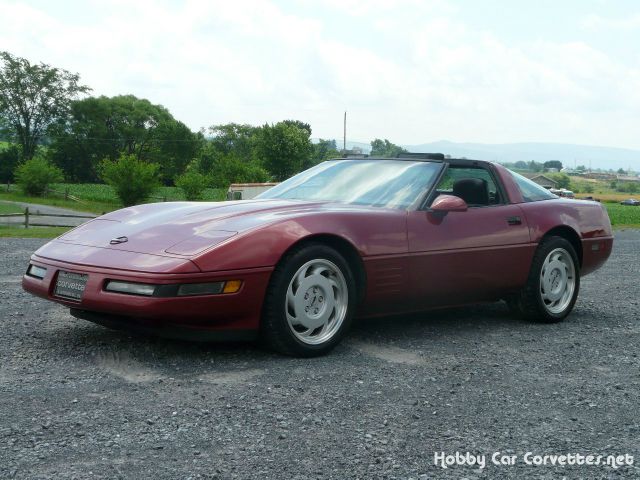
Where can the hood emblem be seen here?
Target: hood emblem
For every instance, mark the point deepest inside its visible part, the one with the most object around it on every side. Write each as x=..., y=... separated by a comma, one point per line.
x=118, y=240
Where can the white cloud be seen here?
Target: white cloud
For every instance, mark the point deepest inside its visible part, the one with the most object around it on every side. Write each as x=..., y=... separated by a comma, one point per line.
x=411, y=71
x=596, y=22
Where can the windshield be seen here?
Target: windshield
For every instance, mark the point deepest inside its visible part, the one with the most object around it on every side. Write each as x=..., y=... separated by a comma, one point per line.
x=379, y=183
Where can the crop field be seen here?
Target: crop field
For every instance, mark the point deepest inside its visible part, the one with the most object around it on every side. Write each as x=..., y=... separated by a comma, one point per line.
x=623, y=215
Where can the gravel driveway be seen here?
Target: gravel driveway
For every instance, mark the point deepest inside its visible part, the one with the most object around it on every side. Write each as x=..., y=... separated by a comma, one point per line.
x=80, y=401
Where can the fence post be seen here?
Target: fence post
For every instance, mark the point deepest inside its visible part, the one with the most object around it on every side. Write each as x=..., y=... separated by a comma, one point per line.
x=26, y=217
x=66, y=193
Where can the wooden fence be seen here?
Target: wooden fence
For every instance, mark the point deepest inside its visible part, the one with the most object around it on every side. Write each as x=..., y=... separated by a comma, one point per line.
x=30, y=223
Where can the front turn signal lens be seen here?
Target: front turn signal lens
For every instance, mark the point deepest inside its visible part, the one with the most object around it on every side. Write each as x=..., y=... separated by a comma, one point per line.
x=232, y=286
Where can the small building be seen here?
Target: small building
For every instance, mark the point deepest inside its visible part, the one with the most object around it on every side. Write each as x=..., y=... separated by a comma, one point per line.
x=245, y=191
x=542, y=180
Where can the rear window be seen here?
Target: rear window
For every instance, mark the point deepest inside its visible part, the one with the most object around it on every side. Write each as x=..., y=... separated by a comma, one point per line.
x=530, y=190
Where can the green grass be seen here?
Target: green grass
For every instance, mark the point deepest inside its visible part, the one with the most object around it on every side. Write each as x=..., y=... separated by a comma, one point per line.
x=623, y=215
x=90, y=207
x=10, y=208
x=98, y=198
x=99, y=192
x=33, y=232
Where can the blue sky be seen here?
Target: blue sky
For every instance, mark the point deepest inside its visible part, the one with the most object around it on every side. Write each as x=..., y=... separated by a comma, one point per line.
x=409, y=70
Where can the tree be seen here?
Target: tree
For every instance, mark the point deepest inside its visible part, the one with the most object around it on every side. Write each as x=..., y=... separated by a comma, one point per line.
x=621, y=171
x=384, y=148
x=233, y=138
x=229, y=169
x=36, y=174
x=535, y=166
x=104, y=127
x=581, y=168
x=300, y=124
x=283, y=148
x=9, y=158
x=557, y=164
x=321, y=151
x=562, y=179
x=133, y=179
x=174, y=146
x=520, y=165
x=33, y=97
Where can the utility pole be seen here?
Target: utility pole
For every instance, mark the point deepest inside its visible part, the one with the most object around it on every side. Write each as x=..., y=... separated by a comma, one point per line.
x=344, y=136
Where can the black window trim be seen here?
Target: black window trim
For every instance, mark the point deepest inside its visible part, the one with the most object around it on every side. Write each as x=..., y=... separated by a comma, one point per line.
x=432, y=194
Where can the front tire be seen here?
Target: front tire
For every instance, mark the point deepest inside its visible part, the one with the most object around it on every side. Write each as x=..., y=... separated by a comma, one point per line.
x=552, y=288
x=309, y=303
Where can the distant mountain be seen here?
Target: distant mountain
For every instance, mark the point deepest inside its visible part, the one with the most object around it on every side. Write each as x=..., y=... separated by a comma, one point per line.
x=569, y=155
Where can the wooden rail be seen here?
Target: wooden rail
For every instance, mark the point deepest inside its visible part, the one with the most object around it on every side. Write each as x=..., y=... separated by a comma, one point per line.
x=27, y=214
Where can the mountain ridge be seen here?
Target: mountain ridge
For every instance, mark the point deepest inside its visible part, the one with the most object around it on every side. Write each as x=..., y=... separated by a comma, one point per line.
x=571, y=155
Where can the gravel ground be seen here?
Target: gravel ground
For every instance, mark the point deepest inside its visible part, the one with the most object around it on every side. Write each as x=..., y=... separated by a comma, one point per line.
x=80, y=401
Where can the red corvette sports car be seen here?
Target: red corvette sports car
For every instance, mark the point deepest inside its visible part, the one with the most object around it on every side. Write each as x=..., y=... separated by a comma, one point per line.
x=346, y=237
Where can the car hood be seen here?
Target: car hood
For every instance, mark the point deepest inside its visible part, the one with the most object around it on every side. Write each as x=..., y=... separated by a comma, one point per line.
x=181, y=228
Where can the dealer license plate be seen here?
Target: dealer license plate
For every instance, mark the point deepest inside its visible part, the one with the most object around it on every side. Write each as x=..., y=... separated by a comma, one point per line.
x=70, y=285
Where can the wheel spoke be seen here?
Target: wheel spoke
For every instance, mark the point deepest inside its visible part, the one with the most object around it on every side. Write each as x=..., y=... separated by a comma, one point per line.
x=300, y=276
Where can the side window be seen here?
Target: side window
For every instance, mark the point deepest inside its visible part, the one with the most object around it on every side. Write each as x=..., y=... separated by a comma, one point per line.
x=475, y=186
x=531, y=191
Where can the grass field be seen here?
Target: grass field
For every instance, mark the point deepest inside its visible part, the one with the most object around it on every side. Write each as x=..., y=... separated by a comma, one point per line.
x=105, y=194
x=33, y=232
x=98, y=198
x=623, y=215
x=9, y=208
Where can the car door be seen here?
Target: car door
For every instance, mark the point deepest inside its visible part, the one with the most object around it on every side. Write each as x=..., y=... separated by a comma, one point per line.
x=468, y=256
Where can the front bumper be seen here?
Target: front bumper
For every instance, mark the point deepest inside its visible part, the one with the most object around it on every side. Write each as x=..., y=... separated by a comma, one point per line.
x=234, y=311
x=167, y=329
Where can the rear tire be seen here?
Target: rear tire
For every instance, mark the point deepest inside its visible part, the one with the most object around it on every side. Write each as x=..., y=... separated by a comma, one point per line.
x=553, y=284
x=309, y=303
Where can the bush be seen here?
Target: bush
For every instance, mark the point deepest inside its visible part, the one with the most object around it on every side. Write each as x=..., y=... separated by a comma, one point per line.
x=192, y=184
x=627, y=187
x=36, y=174
x=132, y=179
x=562, y=179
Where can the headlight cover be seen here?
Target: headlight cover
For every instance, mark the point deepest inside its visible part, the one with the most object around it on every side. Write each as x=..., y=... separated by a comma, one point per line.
x=130, y=288
x=173, y=290
x=36, y=271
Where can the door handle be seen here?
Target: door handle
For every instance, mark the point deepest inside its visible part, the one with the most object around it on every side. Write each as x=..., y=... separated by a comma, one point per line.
x=514, y=220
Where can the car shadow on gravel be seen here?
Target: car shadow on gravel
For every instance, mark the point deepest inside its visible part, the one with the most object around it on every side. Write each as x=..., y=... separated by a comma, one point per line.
x=445, y=321
x=81, y=338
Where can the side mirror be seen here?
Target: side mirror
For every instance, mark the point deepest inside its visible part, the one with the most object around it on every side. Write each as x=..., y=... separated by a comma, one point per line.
x=444, y=204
